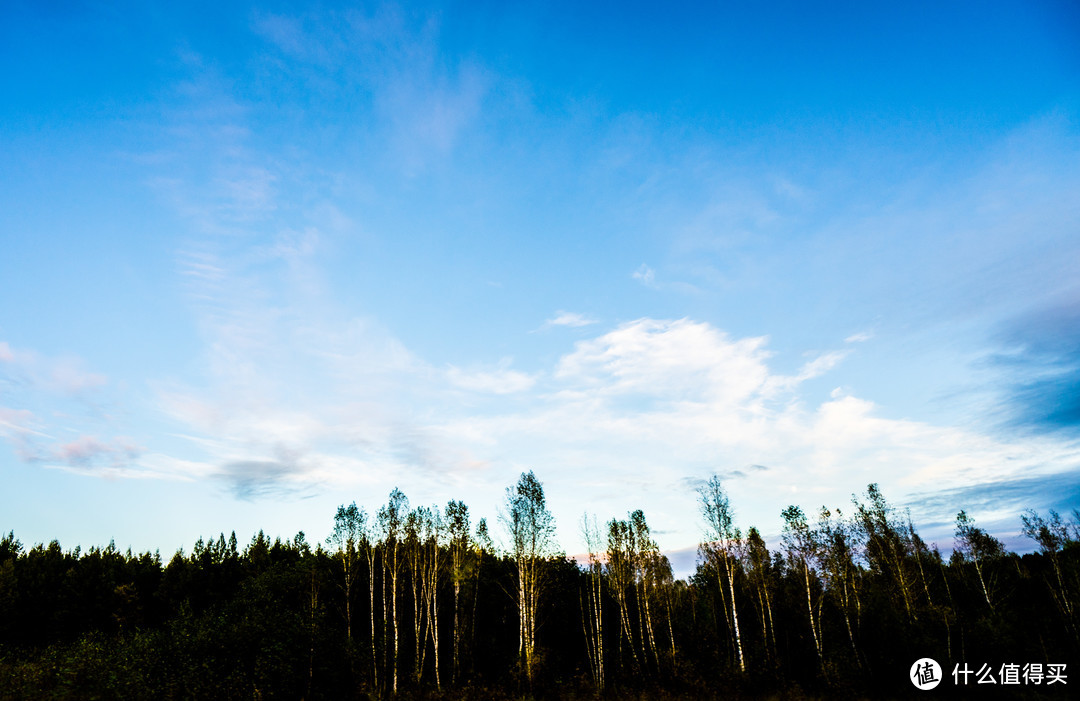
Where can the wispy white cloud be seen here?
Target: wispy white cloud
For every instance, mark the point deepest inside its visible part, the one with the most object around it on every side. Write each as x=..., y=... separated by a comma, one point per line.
x=62, y=375
x=19, y=421
x=821, y=365
x=45, y=397
x=32, y=444
x=69, y=376
x=90, y=451
x=22, y=429
x=645, y=275
x=568, y=319
x=423, y=100
x=296, y=394
x=501, y=380
x=431, y=113
x=860, y=337
x=289, y=35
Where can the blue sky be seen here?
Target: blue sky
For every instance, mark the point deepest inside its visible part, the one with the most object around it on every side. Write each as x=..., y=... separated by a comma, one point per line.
x=259, y=261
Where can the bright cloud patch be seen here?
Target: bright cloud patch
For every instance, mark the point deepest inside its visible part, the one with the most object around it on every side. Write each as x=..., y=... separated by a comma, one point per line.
x=675, y=360
x=634, y=413
x=570, y=319
x=498, y=381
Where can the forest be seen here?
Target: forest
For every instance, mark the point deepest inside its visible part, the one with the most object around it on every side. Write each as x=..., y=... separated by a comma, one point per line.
x=421, y=602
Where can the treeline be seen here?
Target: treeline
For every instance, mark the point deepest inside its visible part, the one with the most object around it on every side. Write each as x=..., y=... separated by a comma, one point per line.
x=420, y=602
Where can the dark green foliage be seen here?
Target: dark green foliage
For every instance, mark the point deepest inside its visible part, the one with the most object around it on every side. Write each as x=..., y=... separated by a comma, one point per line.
x=266, y=621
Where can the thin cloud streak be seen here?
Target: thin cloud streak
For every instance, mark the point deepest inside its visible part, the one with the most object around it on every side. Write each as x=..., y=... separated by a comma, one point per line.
x=568, y=319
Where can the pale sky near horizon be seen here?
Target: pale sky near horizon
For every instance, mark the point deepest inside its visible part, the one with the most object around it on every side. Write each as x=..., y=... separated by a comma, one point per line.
x=257, y=261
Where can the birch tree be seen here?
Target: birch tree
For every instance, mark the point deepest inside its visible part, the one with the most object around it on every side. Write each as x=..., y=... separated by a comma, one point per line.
x=887, y=548
x=415, y=554
x=349, y=523
x=531, y=528
x=646, y=553
x=391, y=521
x=723, y=545
x=368, y=539
x=804, y=551
x=620, y=569
x=664, y=580
x=981, y=548
x=483, y=545
x=842, y=574
x=434, y=530
x=592, y=609
x=759, y=570
x=1052, y=535
x=457, y=524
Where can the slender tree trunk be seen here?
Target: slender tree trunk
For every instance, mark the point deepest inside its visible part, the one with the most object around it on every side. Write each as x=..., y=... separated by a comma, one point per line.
x=433, y=605
x=1061, y=597
x=847, y=622
x=472, y=618
x=813, y=623
x=671, y=630
x=385, y=617
x=348, y=605
x=821, y=642
x=526, y=590
x=627, y=628
x=948, y=633
x=435, y=639
x=314, y=601
x=1065, y=603
x=901, y=577
x=649, y=626
x=720, y=576
x=371, y=609
x=587, y=624
x=761, y=615
x=735, y=614
x=457, y=635
x=768, y=608
x=598, y=614
x=393, y=614
x=530, y=619
x=922, y=577
x=392, y=649
x=982, y=583
x=416, y=585
x=639, y=591
x=952, y=610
